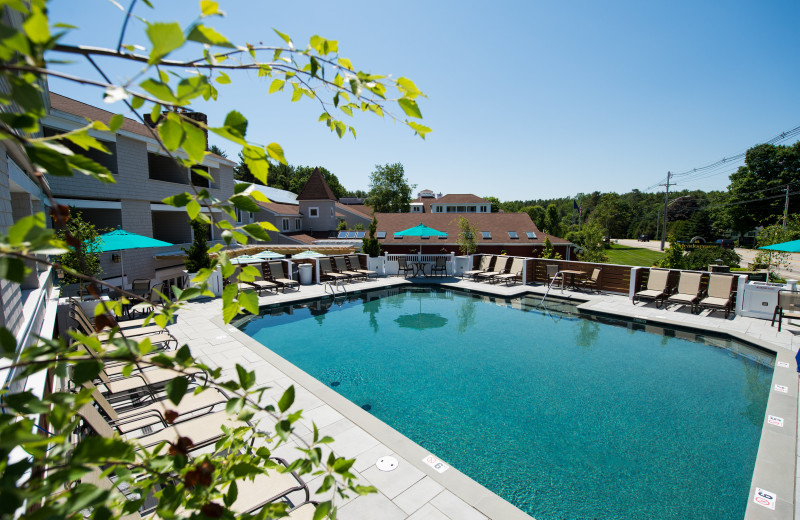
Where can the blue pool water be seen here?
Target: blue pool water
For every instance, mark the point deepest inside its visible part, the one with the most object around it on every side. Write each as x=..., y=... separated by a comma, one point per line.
x=562, y=416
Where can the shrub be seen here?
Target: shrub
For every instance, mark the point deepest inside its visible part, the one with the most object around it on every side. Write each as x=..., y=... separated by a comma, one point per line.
x=197, y=255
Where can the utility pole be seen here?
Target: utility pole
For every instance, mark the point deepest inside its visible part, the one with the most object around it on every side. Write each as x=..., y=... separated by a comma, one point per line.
x=666, y=203
x=786, y=207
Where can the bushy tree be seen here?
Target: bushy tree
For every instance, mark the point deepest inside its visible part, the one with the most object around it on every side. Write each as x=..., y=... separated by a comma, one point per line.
x=700, y=259
x=590, y=240
x=81, y=257
x=467, y=239
x=553, y=221
x=370, y=244
x=495, y=202
x=389, y=191
x=777, y=234
x=549, y=252
x=673, y=255
x=538, y=215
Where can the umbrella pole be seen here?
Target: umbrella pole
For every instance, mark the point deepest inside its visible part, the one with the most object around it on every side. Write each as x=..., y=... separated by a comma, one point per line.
x=122, y=270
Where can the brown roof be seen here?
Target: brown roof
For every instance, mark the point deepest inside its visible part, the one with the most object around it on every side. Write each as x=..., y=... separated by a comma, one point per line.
x=80, y=109
x=361, y=209
x=280, y=208
x=316, y=188
x=302, y=237
x=498, y=224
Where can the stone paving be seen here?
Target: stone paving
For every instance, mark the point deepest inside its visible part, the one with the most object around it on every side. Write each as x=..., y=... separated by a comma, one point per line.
x=415, y=490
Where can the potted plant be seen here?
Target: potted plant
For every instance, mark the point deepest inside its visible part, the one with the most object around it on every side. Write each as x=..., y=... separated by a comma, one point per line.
x=197, y=258
x=372, y=248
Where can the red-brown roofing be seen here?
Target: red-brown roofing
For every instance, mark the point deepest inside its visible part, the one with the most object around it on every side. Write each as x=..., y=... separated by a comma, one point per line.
x=498, y=224
x=360, y=209
x=80, y=109
x=279, y=208
x=316, y=188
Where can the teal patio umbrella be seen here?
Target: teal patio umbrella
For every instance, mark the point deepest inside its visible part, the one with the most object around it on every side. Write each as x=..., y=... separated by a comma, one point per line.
x=267, y=254
x=120, y=240
x=420, y=231
x=786, y=247
x=308, y=254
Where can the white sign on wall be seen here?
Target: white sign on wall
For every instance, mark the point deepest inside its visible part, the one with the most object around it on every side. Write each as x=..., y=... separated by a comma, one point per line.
x=775, y=421
x=765, y=498
x=782, y=388
x=783, y=364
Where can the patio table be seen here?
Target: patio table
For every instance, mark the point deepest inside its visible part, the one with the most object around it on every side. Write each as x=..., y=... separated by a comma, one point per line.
x=572, y=274
x=418, y=267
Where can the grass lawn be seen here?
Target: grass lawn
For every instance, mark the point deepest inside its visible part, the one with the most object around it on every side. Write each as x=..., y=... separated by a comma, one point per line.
x=632, y=255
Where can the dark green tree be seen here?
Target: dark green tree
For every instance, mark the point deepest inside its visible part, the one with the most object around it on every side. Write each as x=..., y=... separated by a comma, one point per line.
x=82, y=259
x=553, y=220
x=496, y=204
x=389, y=191
x=217, y=150
x=197, y=255
x=370, y=244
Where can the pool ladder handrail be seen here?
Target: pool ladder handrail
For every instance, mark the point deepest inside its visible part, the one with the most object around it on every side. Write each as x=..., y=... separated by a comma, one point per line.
x=555, y=279
x=332, y=284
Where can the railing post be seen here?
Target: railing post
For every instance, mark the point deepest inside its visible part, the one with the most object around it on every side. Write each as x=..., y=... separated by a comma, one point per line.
x=632, y=288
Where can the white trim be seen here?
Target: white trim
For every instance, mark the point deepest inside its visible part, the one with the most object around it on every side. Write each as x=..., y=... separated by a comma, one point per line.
x=18, y=176
x=315, y=209
x=166, y=207
x=285, y=225
x=91, y=204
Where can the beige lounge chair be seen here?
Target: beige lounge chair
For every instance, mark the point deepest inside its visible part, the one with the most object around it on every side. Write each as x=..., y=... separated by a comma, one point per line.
x=483, y=266
x=788, y=307
x=499, y=268
x=514, y=272
x=341, y=268
x=719, y=295
x=157, y=335
x=261, y=284
x=326, y=272
x=656, y=287
x=591, y=283
x=355, y=265
x=688, y=292
x=276, y=276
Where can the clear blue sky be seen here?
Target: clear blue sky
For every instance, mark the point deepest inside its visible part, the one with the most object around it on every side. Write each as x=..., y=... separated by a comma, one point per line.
x=526, y=99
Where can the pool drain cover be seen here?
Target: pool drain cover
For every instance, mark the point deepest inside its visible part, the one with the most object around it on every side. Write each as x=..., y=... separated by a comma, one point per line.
x=386, y=463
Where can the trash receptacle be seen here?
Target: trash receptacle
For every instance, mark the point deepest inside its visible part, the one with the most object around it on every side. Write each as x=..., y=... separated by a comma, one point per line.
x=305, y=273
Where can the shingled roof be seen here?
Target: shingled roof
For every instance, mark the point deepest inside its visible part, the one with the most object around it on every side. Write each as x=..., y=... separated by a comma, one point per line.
x=316, y=188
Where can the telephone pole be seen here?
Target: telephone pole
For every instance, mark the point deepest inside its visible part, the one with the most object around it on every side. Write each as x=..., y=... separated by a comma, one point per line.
x=786, y=207
x=666, y=203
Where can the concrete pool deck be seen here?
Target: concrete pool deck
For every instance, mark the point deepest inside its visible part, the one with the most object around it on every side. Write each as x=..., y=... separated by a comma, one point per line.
x=417, y=491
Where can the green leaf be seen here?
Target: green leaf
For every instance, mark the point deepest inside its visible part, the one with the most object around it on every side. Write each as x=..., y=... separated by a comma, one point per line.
x=94, y=448
x=88, y=166
x=13, y=269
x=419, y=129
x=209, y=8
x=408, y=88
x=344, y=62
x=171, y=131
x=343, y=465
x=232, y=494
x=257, y=232
x=26, y=230
x=84, y=371
x=244, y=203
x=236, y=123
x=177, y=201
x=276, y=152
x=208, y=36
x=249, y=301
x=287, y=399
x=22, y=122
x=410, y=107
x=115, y=123
x=276, y=85
x=223, y=79
x=8, y=344
x=165, y=37
x=192, y=209
x=195, y=143
x=285, y=37
x=256, y=160
x=176, y=389
x=36, y=27
x=49, y=160
x=322, y=510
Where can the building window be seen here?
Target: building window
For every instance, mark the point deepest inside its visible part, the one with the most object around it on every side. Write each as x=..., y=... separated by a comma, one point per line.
x=297, y=224
x=331, y=211
x=381, y=234
x=313, y=212
x=487, y=235
x=531, y=234
x=238, y=215
x=252, y=216
x=512, y=234
x=286, y=224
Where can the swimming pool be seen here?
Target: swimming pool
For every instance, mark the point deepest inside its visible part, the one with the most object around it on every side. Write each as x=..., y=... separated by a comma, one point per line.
x=563, y=416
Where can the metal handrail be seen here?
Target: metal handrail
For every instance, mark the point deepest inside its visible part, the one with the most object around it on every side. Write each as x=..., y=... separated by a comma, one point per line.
x=555, y=278
x=333, y=284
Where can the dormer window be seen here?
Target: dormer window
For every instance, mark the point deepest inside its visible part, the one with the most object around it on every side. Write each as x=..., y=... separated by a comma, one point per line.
x=487, y=235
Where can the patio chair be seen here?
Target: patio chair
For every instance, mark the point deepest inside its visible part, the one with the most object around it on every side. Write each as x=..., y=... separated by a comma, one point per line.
x=499, y=268
x=688, y=292
x=403, y=267
x=355, y=265
x=788, y=307
x=276, y=276
x=440, y=266
x=553, y=274
x=155, y=334
x=514, y=272
x=341, y=268
x=327, y=273
x=719, y=295
x=591, y=283
x=141, y=287
x=261, y=284
x=656, y=287
x=156, y=297
x=483, y=266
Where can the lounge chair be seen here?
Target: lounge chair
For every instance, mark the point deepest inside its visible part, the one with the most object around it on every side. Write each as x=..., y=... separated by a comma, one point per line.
x=514, y=273
x=440, y=266
x=403, y=267
x=788, y=307
x=591, y=283
x=499, y=268
x=326, y=272
x=341, y=268
x=261, y=284
x=234, y=279
x=656, y=287
x=155, y=334
x=355, y=265
x=483, y=266
x=276, y=276
x=688, y=292
x=719, y=295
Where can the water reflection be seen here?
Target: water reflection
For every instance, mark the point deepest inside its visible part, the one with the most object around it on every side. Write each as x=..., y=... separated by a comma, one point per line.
x=587, y=334
x=755, y=390
x=466, y=315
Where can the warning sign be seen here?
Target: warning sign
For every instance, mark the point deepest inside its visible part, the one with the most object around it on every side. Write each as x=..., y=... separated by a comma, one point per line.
x=783, y=364
x=775, y=421
x=765, y=498
x=435, y=463
x=782, y=388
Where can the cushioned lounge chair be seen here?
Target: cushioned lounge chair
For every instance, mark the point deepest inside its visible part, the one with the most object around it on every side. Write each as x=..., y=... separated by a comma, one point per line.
x=788, y=307
x=261, y=284
x=688, y=292
x=326, y=272
x=277, y=276
x=341, y=268
x=719, y=295
x=483, y=266
x=355, y=265
x=498, y=269
x=656, y=287
x=156, y=335
x=514, y=272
